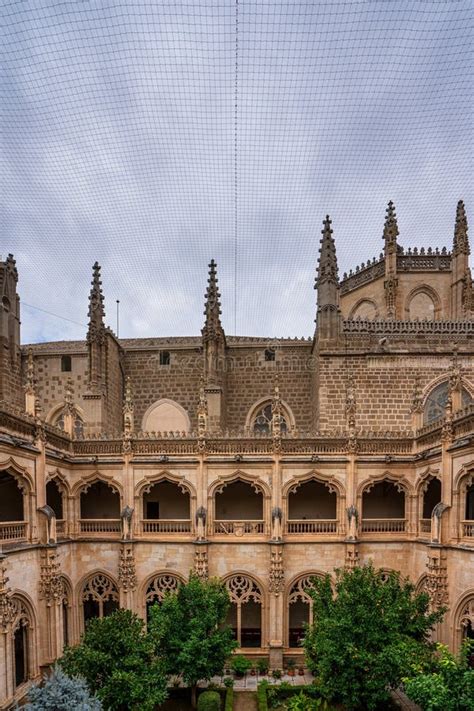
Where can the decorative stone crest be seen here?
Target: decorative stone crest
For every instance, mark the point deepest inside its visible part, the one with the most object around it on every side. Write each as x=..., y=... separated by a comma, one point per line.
x=351, y=405
x=201, y=563
x=127, y=571
x=51, y=586
x=417, y=399
x=352, y=558
x=277, y=575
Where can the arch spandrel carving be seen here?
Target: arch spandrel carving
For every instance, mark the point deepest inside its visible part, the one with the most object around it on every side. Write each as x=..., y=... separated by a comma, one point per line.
x=243, y=588
x=160, y=585
x=330, y=481
x=99, y=588
x=257, y=483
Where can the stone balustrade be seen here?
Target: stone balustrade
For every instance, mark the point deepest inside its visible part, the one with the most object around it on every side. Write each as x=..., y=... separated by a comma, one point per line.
x=166, y=526
x=320, y=526
x=383, y=525
x=239, y=528
x=100, y=526
x=467, y=529
x=13, y=530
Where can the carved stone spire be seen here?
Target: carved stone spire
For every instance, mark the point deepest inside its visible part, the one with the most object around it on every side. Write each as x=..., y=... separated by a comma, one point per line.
x=96, y=307
x=30, y=395
x=10, y=353
x=202, y=411
x=277, y=412
x=327, y=267
x=390, y=230
x=327, y=284
x=390, y=234
x=212, y=329
x=461, y=240
x=213, y=336
x=128, y=408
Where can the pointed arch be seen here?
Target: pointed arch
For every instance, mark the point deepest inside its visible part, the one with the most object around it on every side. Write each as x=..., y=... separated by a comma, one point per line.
x=258, y=405
x=166, y=415
x=330, y=481
x=222, y=480
x=24, y=638
x=150, y=480
x=21, y=474
x=429, y=293
x=463, y=617
x=156, y=586
x=247, y=614
x=60, y=478
x=97, y=594
x=364, y=308
x=86, y=482
x=299, y=606
x=400, y=481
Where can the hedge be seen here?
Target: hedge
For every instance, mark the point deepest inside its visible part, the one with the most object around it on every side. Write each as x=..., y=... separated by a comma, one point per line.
x=262, y=696
x=229, y=699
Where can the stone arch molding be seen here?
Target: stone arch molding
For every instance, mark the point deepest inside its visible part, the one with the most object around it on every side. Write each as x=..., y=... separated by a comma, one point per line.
x=84, y=484
x=464, y=613
x=56, y=410
x=400, y=481
x=20, y=474
x=185, y=486
x=97, y=575
x=287, y=413
x=257, y=483
x=178, y=418
x=299, y=584
x=162, y=581
x=244, y=587
x=464, y=478
x=330, y=482
x=60, y=478
x=362, y=302
x=428, y=389
x=428, y=291
x=425, y=477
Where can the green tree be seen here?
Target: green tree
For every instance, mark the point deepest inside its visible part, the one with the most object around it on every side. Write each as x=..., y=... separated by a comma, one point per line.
x=368, y=633
x=119, y=662
x=60, y=692
x=449, y=686
x=190, y=632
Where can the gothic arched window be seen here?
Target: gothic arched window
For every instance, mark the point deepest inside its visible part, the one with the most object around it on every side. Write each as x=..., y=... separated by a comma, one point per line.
x=78, y=424
x=158, y=587
x=436, y=401
x=99, y=597
x=300, y=609
x=262, y=422
x=245, y=615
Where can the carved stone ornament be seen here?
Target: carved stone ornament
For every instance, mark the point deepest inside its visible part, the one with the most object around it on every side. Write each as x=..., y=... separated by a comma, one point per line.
x=417, y=399
x=127, y=571
x=277, y=575
x=51, y=585
x=436, y=584
x=201, y=564
x=7, y=606
x=352, y=559
x=390, y=286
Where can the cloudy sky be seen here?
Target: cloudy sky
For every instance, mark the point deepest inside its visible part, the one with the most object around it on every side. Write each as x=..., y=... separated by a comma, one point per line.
x=153, y=135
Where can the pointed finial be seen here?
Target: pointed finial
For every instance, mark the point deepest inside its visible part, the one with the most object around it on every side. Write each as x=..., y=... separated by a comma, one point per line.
x=461, y=240
x=128, y=407
x=390, y=230
x=212, y=310
x=69, y=395
x=96, y=302
x=327, y=267
x=30, y=373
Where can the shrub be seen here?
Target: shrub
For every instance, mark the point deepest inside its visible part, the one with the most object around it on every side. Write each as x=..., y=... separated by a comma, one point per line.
x=450, y=684
x=62, y=693
x=209, y=701
x=240, y=664
x=303, y=702
x=276, y=673
x=228, y=682
x=262, y=666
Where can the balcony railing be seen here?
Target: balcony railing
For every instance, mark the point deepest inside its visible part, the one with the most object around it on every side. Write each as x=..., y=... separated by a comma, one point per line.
x=383, y=525
x=425, y=525
x=13, y=530
x=166, y=525
x=100, y=525
x=309, y=526
x=239, y=528
x=467, y=529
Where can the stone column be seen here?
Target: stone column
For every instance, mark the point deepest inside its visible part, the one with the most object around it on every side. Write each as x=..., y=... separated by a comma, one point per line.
x=276, y=589
x=127, y=575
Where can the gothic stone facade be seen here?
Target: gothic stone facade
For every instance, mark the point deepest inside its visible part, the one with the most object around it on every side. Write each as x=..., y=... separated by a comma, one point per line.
x=127, y=463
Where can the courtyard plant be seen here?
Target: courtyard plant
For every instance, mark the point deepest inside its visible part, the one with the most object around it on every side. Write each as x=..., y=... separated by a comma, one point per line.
x=119, y=662
x=60, y=692
x=369, y=632
x=448, y=685
x=209, y=701
x=189, y=631
x=240, y=665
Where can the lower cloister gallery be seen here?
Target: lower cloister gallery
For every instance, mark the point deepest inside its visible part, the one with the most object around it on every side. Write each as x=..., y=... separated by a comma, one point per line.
x=127, y=463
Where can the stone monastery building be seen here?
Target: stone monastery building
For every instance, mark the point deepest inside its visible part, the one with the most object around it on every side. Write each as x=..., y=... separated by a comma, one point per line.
x=127, y=463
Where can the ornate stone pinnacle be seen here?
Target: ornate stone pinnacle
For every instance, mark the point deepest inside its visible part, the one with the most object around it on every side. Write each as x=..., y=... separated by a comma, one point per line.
x=461, y=240
x=390, y=230
x=212, y=309
x=96, y=305
x=69, y=397
x=128, y=409
x=327, y=267
x=30, y=374
x=127, y=572
x=202, y=411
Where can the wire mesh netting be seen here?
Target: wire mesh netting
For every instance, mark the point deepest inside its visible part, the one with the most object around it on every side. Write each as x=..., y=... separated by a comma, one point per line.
x=155, y=135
